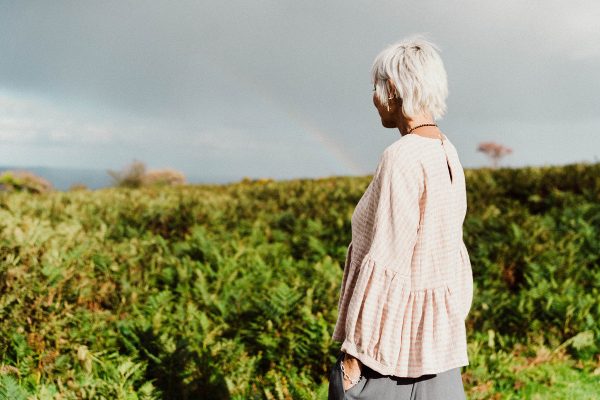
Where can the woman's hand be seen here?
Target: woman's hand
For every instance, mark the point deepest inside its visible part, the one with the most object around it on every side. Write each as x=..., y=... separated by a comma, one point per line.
x=353, y=368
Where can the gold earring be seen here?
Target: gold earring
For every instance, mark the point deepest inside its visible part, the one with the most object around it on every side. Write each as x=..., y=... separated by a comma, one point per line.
x=388, y=102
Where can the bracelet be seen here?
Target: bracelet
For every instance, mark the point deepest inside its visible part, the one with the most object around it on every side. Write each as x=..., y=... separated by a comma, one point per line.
x=346, y=376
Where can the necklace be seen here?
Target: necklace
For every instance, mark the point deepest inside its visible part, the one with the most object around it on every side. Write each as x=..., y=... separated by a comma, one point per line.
x=418, y=126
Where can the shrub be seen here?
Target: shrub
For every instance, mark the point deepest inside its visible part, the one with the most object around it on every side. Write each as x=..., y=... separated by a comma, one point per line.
x=78, y=186
x=132, y=176
x=164, y=177
x=20, y=181
x=135, y=175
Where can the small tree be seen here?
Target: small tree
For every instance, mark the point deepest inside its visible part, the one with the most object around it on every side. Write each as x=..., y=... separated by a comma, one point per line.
x=494, y=151
x=131, y=176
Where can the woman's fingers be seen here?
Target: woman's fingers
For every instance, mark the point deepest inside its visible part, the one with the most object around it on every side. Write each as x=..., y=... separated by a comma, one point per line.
x=353, y=368
x=348, y=385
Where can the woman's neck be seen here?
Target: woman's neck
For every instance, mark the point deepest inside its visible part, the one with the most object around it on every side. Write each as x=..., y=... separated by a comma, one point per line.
x=405, y=125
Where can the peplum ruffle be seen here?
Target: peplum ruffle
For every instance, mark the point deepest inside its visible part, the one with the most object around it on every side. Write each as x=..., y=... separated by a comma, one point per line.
x=399, y=330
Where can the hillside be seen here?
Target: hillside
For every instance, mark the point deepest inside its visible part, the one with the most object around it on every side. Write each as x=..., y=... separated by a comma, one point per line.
x=230, y=291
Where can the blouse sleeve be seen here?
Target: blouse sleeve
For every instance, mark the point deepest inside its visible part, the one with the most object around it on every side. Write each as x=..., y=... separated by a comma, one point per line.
x=397, y=189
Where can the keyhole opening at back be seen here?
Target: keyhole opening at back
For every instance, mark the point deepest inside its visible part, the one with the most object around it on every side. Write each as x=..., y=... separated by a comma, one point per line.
x=449, y=169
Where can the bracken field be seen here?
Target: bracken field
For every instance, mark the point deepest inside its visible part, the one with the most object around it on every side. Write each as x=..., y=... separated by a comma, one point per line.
x=230, y=291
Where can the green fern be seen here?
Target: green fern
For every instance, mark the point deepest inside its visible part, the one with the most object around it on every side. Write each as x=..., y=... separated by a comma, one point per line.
x=10, y=389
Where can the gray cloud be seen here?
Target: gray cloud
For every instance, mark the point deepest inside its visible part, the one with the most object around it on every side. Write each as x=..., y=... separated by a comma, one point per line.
x=193, y=84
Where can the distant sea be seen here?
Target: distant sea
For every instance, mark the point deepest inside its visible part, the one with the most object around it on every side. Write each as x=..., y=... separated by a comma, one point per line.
x=64, y=178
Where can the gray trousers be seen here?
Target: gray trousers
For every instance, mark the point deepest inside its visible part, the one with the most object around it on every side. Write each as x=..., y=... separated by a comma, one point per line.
x=447, y=385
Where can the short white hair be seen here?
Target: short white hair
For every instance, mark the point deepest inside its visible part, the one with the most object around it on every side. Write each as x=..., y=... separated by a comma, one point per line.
x=417, y=71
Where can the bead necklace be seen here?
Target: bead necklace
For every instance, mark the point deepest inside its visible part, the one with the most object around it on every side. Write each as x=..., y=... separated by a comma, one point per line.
x=419, y=126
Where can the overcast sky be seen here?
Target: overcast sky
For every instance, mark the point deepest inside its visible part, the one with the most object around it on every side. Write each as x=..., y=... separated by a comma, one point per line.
x=281, y=88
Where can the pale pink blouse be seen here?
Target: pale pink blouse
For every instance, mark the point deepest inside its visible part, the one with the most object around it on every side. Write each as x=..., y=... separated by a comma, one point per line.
x=407, y=285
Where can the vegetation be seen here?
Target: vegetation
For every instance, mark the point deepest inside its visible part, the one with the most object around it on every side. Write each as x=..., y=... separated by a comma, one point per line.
x=494, y=151
x=230, y=292
x=135, y=175
x=78, y=186
x=23, y=181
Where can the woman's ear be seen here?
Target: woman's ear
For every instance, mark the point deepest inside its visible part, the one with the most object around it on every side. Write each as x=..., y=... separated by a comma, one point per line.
x=391, y=88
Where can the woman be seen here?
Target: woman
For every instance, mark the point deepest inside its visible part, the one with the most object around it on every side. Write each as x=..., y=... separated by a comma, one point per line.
x=407, y=284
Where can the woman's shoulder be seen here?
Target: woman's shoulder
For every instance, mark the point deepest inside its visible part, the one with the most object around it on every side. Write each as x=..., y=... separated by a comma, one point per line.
x=403, y=153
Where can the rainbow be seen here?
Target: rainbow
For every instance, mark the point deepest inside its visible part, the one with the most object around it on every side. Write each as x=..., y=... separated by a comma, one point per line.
x=319, y=135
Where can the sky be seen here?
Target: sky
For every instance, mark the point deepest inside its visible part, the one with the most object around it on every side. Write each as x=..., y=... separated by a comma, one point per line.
x=281, y=89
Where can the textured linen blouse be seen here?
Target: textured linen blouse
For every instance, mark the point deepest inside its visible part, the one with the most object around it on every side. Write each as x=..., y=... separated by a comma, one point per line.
x=407, y=285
